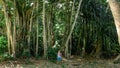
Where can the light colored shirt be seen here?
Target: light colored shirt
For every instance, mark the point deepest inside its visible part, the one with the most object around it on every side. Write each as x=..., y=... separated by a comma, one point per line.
x=59, y=54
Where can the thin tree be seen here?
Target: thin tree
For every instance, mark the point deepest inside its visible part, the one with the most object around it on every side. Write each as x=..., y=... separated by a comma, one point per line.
x=7, y=25
x=37, y=29
x=73, y=25
x=11, y=41
x=44, y=32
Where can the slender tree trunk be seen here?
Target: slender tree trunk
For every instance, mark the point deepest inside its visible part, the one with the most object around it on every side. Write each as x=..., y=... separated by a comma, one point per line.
x=9, y=50
x=71, y=18
x=9, y=34
x=14, y=38
x=37, y=29
x=67, y=28
x=29, y=34
x=16, y=23
x=44, y=32
x=49, y=27
x=7, y=26
x=73, y=25
x=115, y=8
x=83, y=48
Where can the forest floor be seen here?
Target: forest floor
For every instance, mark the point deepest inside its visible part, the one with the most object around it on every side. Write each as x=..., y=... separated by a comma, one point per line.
x=72, y=63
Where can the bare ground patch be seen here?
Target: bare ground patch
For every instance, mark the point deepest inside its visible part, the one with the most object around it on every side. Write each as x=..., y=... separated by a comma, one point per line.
x=75, y=63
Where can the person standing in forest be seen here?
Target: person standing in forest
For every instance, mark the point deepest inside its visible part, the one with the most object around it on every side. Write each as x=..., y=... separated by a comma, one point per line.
x=59, y=57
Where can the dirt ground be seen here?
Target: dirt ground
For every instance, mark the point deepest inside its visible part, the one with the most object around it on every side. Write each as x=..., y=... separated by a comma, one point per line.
x=73, y=63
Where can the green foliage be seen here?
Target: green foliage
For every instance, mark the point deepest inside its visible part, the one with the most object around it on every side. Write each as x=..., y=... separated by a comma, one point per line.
x=115, y=48
x=40, y=50
x=3, y=44
x=6, y=56
x=95, y=22
x=52, y=1
x=52, y=53
x=63, y=65
x=26, y=53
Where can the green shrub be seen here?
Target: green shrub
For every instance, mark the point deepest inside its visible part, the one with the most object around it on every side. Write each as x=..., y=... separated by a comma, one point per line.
x=26, y=53
x=52, y=53
x=6, y=56
x=3, y=44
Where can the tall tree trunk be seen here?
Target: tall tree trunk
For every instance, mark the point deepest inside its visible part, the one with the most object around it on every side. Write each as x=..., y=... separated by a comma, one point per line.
x=14, y=38
x=71, y=18
x=16, y=23
x=67, y=28
x=49, y=27
x=44, y=32
x=30, y=20
x=8, y=26
x=73, y=25
x=115, y=8
x=37, y=30
x=83, y=48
